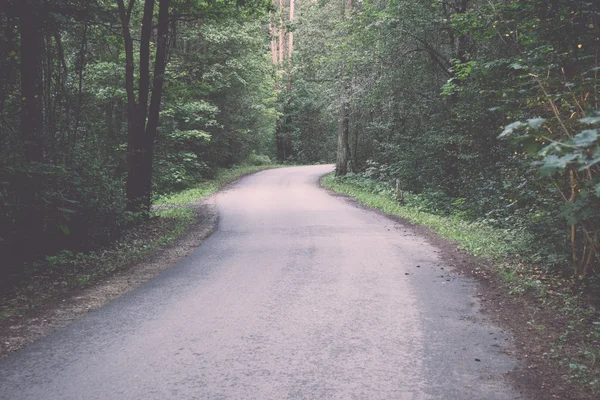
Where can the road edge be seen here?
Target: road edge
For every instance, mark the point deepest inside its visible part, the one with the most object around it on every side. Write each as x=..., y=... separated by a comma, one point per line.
x=536, y=376
x=59, y=311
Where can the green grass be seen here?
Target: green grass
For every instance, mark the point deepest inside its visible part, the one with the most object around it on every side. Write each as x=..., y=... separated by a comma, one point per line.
x=475, y=238
x=206, y=188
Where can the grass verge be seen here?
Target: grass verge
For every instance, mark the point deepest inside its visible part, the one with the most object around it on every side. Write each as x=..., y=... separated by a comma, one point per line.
x=206, y=188
x=475, y=238
x=60, y=274
x=574, y=344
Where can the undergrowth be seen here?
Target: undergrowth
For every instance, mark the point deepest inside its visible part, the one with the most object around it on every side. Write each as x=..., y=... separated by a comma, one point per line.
x=58, y=274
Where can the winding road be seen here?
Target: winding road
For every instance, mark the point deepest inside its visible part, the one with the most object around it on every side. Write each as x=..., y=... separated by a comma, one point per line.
x=299, y=294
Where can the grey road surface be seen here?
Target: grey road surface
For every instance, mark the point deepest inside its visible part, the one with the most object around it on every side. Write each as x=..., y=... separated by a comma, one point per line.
x=298, y=295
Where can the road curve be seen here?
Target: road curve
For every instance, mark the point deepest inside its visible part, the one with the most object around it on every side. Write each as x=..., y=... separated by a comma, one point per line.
x=297, y=295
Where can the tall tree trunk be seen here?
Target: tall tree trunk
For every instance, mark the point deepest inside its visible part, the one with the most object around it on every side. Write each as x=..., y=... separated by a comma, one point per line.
x=343, y=147
x=132, y=144
x=465, y=41
x=142, y=133
x=154, y=110
x=281, y=31
x=273, y=43
x=80, y=68
x=290, y=50
x=136, y=148
x=291, y=34
x=341, y=166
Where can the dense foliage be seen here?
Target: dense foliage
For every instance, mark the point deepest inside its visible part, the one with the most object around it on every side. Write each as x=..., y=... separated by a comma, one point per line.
x=65, y=149
x=486, y=109
x=483, y=108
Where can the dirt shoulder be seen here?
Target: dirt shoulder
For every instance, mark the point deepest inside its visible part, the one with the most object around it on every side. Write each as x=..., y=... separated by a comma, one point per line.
x=541, y=344
x=20, y=330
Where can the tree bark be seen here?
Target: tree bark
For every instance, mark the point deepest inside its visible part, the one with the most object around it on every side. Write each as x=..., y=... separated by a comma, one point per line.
x=132, y=142
x=281, y=32
x=273, y=44
x=137, y=121
x=154, y=110
x=291, y=34
x=290, y=50
x=343, y=146
x=143, y=118
x=341, y=166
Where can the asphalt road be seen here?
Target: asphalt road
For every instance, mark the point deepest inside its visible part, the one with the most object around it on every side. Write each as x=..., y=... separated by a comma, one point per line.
x=297, y=295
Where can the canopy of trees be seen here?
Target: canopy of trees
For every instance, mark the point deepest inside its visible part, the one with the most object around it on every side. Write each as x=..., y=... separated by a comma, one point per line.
x=106, y=103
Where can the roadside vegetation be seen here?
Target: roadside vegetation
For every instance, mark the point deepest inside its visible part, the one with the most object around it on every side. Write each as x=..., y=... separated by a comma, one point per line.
x=55, y=276
x=573, y=325
x=487, y=109
x=110, y=107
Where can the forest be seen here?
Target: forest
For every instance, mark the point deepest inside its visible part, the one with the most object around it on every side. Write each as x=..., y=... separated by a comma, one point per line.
x=106, y=105
x=482, y=110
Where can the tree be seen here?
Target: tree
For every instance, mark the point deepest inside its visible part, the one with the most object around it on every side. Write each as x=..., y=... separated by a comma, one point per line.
x=80, y=123
x=423, y=92
x=343, y=146
x=143, y=115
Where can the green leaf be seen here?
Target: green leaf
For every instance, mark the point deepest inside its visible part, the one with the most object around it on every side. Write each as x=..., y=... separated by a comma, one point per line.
x=530, y=145
x=595, y=160
x=552, y=163
x=535, y=123
x=509, y=129
x=585, y=138
x=590, y=120
x=518, y=66
x=64, y=229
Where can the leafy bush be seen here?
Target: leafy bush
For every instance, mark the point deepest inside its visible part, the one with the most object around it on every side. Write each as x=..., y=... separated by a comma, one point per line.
x=257, y=159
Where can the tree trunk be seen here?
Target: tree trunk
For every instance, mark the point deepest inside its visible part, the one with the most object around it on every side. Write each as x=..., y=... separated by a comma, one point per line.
x=135, y=185
x=343, y=147
x=281, y=31
x=341, y=166
x=154, y=111
x=142, y=133
x=132, y=137
x=273, y=44
x=291, y=34
x=290, y=49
